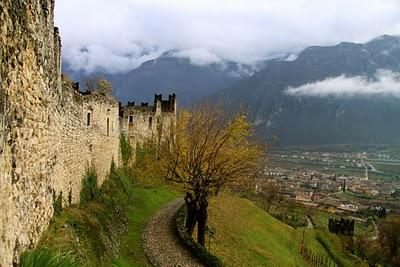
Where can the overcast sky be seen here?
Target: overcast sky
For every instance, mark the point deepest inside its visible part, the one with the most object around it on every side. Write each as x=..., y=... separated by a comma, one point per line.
x=119, y=35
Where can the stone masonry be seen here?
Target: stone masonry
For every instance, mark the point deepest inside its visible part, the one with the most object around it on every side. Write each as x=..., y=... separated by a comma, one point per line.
x=50, y=133
x=139, y=123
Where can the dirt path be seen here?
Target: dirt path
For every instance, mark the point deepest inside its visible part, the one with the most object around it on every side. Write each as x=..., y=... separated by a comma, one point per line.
x=161, y=243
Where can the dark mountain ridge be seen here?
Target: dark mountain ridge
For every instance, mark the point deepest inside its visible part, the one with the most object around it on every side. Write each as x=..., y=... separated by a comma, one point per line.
x=322, y=120
x=171, y=74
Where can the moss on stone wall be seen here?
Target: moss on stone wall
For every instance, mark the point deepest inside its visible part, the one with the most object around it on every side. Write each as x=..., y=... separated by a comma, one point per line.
x=126, y=150
x=89, y=188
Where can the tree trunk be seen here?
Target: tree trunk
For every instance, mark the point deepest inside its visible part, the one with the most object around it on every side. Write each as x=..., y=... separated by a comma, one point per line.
x=192, y=217
x=202, y=217
x=191, y=222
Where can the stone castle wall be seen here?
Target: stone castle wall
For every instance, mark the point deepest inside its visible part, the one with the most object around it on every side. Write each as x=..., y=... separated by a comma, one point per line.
x=46, y=142
x=139, y=123
x=50, y=133
x=82, y=143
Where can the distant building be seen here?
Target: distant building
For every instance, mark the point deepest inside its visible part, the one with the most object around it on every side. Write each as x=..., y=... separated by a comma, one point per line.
x=348, y=207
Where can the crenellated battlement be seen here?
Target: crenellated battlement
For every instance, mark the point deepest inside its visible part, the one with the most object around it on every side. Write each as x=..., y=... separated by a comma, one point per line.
x=160, y=105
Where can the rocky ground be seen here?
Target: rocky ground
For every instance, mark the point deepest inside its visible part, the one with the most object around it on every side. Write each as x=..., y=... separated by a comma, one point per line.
x=161, y=242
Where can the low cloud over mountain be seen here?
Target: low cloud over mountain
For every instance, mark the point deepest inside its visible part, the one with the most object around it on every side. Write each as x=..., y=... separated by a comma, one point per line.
x=117, y=36
x=383, y=83
x=198, y=56
x=347, y=93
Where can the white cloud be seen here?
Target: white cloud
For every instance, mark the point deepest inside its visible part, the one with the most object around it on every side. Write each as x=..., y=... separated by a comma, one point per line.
x=100, y=58
x=198, y=56
x=292, y=57
x=385, y=83
x=241, y=30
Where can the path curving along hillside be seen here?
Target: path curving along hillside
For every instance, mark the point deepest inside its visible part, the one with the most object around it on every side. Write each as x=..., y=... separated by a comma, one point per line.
x=161, y=242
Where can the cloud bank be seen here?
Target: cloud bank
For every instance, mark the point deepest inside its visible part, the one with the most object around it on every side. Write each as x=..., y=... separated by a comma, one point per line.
x=95, y=57
x=119, y=35
x=385, y=83
x=198, y=56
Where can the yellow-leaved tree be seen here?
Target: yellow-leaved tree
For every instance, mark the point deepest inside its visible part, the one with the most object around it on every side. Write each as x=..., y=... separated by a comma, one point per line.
x=207, y=150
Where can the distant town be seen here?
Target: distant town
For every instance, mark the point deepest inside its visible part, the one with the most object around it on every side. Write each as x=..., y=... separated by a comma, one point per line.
x=338, y=182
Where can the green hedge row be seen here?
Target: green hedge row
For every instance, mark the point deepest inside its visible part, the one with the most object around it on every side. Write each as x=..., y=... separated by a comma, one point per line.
x=196, y=248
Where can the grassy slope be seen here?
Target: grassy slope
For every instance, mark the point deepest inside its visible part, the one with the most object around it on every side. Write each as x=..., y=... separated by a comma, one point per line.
x=110, y=225
x=145, y=203
x=248, y=236
x=321, y=219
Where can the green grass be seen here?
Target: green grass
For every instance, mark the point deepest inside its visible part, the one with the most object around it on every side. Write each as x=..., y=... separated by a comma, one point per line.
x=46, y=257
x=321, y=218
x=391, y=168
x=248, y=236
x=89, y=189
x=146, y=202
x=126, y=149
x=107, y=231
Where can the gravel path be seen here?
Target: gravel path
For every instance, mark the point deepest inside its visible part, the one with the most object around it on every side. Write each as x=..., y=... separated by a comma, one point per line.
x=161, y=242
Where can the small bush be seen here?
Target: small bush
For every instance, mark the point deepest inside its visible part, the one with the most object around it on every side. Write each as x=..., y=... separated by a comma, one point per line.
x=148, y=167
x=126, y=150
x=146, y=151
x=57, y=203
x=45, y=257
x=89, y=187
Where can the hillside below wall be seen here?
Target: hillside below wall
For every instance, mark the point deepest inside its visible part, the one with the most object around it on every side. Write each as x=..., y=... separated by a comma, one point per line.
x=46, y=143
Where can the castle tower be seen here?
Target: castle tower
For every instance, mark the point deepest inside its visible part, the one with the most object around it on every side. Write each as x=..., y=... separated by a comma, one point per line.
x=158, y=104
x=172, y=103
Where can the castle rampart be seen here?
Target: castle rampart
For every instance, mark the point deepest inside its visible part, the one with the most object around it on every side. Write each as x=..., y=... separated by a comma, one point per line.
x=50, y=133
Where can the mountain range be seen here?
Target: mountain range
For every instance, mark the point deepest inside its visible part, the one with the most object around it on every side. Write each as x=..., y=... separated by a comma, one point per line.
x=171, y=74
x=323, y=119
x=263, y=91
